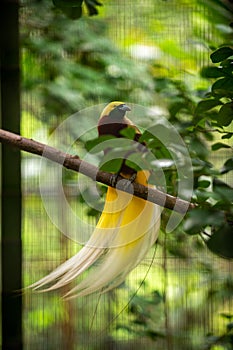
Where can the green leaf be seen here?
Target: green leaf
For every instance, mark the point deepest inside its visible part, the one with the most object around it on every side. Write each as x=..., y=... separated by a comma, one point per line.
x=92, y=144
x=213, y=72
x=227, y=65
x=226, y=114
x=223, y=190
x=229, y=326
x=227, y=135
x=228, y=166
x=199, y=218
x=203, y=195
x=204, y=183
x=223, y=87
x=71, y=8
x=137, y=162
x=226, y=315
x=67, y=3
x=128, y=132
x=201, y=123
x=92, y=212
x=113, y=159
x=134, y=165
x=112, y=166
x=146, y=137
x=91, y=6
x=221, y=54
x=206, y=105
x=221, y=242
x=219, y=145
x=198, y=147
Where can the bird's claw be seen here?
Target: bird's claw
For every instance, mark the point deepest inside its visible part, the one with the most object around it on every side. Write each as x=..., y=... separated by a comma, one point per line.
x=132, y=178
x=126, y=183
x=113, y=179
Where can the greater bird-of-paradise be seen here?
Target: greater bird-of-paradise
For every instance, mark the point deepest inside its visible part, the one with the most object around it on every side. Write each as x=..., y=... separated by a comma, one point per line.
x=127, y=228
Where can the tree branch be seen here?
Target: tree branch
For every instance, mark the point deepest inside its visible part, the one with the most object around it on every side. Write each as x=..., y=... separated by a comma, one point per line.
x=75, y=163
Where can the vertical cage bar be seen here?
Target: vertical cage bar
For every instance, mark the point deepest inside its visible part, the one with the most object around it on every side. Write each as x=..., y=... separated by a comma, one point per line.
x=10, y=180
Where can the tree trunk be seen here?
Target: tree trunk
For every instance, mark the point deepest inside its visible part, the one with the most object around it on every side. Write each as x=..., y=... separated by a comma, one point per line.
x=10, y=179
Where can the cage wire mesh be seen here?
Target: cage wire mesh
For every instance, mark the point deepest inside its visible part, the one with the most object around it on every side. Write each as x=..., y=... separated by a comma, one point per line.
x=168, y=301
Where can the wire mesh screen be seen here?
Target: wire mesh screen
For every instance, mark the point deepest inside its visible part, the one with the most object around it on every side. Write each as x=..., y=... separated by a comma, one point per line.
x=181, y=293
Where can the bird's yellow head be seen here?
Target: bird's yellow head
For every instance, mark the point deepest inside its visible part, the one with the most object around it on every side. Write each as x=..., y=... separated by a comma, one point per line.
x=115, y=110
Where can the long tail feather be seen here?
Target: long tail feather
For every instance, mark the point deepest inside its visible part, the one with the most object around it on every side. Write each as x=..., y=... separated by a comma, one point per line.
x=115, y=266
x=126, y=230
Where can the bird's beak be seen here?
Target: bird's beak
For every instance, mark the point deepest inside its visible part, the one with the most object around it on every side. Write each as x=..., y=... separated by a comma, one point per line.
x=124, y=108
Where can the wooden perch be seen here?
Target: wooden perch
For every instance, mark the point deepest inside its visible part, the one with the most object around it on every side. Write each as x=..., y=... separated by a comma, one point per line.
x=75, y=163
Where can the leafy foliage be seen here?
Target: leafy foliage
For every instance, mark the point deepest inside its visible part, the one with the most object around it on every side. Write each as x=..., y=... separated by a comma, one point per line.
x=225, y=340
x=74, y=64
x=81, y=65
x=73, y=8
x=215, y=113
x=79, y=56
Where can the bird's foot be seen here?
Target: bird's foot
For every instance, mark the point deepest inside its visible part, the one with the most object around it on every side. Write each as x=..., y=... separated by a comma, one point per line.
x=123, y=184
x=113, y=179
x=132, y=178
x=128, y=182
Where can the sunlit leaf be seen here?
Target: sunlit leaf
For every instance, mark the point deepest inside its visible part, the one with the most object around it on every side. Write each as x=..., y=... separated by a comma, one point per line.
x=201, y=123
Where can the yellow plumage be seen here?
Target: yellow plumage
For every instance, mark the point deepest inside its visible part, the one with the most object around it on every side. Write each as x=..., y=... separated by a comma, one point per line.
x=126, y=230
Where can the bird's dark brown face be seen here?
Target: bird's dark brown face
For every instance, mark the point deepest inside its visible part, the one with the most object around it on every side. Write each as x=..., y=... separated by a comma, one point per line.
x=115, y=110
x=112, y=119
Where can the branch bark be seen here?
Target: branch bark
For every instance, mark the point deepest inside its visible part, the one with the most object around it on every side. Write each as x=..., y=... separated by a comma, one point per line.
x=75, y=163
